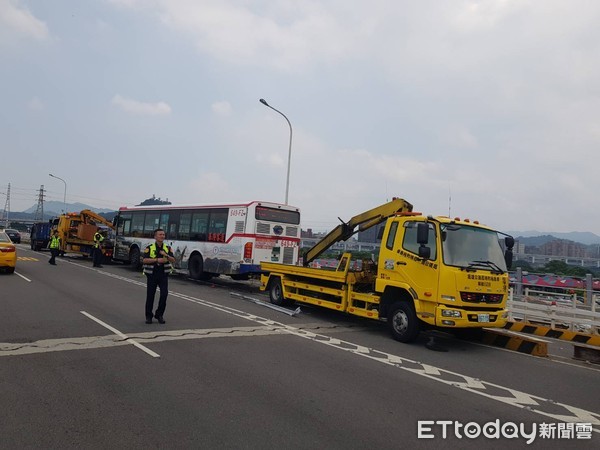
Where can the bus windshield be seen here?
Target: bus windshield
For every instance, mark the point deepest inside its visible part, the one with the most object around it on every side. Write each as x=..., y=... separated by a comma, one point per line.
x=471, y=247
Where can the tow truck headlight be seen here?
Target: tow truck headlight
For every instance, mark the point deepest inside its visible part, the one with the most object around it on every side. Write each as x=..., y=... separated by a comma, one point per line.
x=451, y=313
x=448, y=298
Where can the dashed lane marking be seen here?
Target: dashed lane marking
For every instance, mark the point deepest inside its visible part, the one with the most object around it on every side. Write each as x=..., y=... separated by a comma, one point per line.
x=24, y=277
x=539, y=405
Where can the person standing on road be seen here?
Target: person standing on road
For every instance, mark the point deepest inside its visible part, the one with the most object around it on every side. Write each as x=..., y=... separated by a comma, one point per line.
x=97, y=256
x=157, y=261
x=54, y=246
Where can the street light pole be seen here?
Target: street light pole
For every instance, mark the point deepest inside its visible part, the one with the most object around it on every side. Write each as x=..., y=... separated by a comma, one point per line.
x=287, y=182
x=65, y=197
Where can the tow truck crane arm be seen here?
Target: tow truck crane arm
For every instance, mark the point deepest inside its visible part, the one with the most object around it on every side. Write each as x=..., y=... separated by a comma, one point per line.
x=87, y=214
x=363, y=221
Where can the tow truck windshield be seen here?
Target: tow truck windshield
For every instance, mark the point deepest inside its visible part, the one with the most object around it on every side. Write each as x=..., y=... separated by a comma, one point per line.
x=472, y=248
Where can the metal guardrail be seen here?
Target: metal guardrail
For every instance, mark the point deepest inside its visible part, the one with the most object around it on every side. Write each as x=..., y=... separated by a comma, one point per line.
x=557, y=310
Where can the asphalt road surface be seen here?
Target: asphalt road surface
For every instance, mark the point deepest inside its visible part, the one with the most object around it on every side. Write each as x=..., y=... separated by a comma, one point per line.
x=79, y=368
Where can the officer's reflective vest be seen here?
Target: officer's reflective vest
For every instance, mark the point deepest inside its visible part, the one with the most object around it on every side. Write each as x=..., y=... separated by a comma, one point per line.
x=54, y=242
x=98, y=238
x=149, y=268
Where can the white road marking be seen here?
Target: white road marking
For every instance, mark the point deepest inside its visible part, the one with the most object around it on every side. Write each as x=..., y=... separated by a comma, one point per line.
x=518, y=399
x=25, y=278
x=124, y=336
x=92, y=342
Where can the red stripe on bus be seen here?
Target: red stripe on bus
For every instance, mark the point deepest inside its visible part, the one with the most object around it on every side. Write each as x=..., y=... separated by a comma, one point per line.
x=260, y=236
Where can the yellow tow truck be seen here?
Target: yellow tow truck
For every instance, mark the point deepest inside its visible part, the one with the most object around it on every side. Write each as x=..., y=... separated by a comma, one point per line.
x=76, y=231
x=432, y=272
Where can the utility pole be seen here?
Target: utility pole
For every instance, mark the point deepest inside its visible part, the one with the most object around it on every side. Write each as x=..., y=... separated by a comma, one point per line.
x=7, y=207
x=39, y=211
x=287, y=180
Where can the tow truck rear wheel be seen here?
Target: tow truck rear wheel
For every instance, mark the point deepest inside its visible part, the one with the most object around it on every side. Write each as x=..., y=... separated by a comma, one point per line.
x=276, y=293
x=403, y=322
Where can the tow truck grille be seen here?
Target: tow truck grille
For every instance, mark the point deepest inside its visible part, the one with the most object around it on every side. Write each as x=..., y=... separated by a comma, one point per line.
x=478, y=297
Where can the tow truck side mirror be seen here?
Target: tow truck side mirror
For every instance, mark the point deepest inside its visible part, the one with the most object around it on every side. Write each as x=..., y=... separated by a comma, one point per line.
x=424, y=251
x=423, y=239
x=509, y=241
x=422, y=233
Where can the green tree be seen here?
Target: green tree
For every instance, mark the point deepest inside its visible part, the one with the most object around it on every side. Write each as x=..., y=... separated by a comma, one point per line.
x=154, y=201
x=524, y=265
x=557, y=268
x=578, y=272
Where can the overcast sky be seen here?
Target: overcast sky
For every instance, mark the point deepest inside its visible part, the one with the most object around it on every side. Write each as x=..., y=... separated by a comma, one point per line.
x=488, y=109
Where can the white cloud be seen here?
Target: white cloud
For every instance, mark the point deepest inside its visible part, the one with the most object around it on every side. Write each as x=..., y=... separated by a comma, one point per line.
x=141, y=108
x=496, y=100
x=278, y=34
x=35, y=104
x=486, y=14
x=208, y=187
x=459, y=136
x=270, y=159
x=16, y=21
x=222, y=108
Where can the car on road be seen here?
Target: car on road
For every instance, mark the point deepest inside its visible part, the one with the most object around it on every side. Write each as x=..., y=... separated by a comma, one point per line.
x=14, y=235
x=8, y=253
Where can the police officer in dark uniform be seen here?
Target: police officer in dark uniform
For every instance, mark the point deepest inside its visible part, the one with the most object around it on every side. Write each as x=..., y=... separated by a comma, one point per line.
x=157, y=261
x=97, y=256
x=54, y=246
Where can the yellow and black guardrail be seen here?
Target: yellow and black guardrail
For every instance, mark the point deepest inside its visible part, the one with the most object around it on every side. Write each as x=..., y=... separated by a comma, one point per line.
x=545, y=331
x=530, y=345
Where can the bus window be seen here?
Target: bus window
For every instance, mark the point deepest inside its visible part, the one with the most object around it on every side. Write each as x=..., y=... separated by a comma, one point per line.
x=137, y=224
x=199, y=226
x=184, y=226
x=164, y=221
x=173, y=225
x=151, y=224
x=218, y=225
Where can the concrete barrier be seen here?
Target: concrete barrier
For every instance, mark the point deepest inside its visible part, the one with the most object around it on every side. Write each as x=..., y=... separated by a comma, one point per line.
x=545, y=331
x=530, y=345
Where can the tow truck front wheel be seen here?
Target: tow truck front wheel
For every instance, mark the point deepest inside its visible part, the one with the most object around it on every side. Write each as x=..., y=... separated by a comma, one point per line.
x=276, y=293
x=403, y=322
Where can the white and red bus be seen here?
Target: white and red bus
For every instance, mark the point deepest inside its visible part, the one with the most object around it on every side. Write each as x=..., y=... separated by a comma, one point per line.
x=209, y=240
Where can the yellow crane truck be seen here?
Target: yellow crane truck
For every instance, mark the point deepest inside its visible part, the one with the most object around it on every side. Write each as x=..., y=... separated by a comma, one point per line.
x=432, y=272
x=76, y=232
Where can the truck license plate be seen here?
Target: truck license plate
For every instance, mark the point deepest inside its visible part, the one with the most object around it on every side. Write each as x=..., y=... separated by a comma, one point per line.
x=483, y=317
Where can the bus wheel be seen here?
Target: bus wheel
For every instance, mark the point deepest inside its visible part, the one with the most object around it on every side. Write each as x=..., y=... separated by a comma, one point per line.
x=196, y=267
x=403, y=322
x=276, y=293
x=134, y=258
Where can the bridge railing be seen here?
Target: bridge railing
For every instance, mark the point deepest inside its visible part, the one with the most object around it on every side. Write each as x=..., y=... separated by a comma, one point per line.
x=556, y=310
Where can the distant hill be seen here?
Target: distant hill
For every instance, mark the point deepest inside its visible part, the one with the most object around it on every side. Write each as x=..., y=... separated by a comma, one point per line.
x=54, y=208
x=583, y=237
